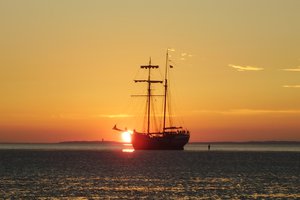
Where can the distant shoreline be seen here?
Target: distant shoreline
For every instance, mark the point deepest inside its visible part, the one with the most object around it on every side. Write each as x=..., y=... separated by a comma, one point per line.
x=116, y=142
x=89, y=142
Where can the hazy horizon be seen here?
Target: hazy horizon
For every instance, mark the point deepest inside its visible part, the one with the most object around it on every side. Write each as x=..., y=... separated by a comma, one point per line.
x=120, y=141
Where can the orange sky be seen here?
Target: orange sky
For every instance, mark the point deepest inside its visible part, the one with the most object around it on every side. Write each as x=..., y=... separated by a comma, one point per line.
x=66, y=68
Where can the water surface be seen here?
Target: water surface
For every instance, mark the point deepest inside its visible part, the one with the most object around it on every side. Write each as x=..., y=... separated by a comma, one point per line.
x=94, y=172
x=284, y=147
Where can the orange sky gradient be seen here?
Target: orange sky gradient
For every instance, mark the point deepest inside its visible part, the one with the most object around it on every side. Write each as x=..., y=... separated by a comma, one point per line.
x=67, y=67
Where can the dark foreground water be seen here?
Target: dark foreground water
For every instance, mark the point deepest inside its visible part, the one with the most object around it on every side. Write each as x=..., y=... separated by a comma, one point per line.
x=113, y=174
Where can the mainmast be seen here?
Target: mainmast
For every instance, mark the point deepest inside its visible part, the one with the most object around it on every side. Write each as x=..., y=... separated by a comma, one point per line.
x=166, y=91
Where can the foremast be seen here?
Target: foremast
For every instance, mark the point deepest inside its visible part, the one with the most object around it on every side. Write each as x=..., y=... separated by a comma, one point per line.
x=149, y=82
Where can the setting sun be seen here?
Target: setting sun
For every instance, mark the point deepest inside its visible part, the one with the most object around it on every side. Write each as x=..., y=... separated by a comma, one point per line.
x=126, y=136
x=66, y=72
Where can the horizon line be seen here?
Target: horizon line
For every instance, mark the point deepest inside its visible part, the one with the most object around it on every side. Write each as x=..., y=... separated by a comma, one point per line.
x=120, y=142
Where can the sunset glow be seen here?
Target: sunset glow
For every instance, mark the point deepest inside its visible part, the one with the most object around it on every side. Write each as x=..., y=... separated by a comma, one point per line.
x=67, y=68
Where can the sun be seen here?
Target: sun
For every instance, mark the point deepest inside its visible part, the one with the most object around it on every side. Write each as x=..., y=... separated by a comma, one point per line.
x=126, y=136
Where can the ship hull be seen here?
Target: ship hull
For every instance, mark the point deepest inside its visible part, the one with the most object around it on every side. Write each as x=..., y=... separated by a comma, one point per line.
x=166, y=142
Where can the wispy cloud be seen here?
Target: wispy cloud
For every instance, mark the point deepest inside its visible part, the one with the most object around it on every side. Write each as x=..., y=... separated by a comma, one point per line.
x=291, y=86
x=186, y=54
x=245, y=68
x=296, y=69
x=80, y=116
x=248, y=112
x=183, y=54
x=71, y=116
x=115, y=116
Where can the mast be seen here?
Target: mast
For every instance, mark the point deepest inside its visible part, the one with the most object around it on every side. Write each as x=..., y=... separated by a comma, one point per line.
x=166, y=89
x=149, y=99
x=149, y=81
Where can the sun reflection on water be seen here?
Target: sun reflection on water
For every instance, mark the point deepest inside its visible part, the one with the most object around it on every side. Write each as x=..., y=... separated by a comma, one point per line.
x=128, y=148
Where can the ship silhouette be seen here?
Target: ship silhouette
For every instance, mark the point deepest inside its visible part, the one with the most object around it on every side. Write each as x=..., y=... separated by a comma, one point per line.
x=169, y=137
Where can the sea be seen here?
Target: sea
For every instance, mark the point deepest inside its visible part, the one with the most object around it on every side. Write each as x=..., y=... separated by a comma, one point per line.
x=116, y=171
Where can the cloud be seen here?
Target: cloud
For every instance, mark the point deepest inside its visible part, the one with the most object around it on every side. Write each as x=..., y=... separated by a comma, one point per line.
x=78, y=116
x=291, y=86
x=71, y=116
x=246, y=68
x=248, y=111
x=296, y=69
x=115, y=116
x=184, y=56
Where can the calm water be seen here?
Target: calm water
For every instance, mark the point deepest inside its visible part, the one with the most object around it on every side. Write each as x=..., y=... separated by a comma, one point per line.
x=93, y=171
x=188, y=147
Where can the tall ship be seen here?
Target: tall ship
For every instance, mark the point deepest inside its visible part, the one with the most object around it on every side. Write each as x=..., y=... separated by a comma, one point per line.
x=170, y=136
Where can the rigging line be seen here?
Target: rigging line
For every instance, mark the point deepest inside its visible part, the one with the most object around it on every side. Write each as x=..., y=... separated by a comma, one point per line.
x=137, y=72
x=170, y=110
x=161, y=75
x=169, y=102
x=154, y=115
x=174, y=102
x=145, y=119
x=161, y=108
x=139, y=122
